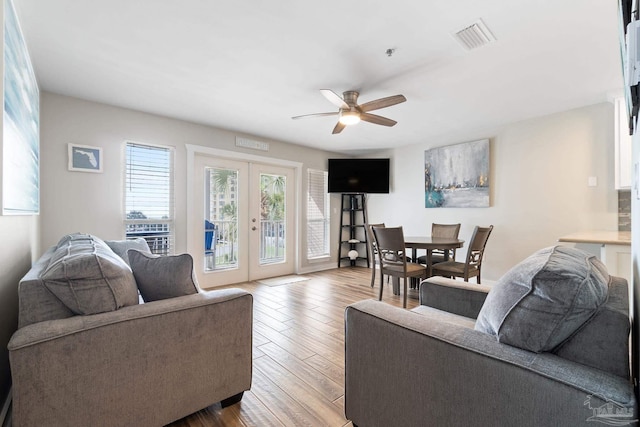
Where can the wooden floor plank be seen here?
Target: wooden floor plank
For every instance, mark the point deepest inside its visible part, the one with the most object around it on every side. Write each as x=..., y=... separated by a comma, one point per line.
x=315, y=404
x=323, y=384
x=306, y=312
x=331, y=370
x=307, y=322
x=269, y=303
x=326, y=345
x=268, y=311
x=283, y=341
x=288, y=410
x=269, y=321
x=256, y=352
x=336, y=355
x=259, y=339
x=252, y=412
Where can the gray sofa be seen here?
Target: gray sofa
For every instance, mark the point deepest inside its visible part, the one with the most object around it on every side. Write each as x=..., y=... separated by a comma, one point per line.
x=87, y=353
x=438, y=365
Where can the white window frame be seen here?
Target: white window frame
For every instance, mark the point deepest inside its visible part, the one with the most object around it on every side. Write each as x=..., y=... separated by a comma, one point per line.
x=158, y=232
x=314, y=214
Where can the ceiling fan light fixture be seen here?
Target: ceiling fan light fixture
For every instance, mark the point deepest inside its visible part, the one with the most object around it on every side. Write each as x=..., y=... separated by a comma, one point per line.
x=350, y=112
x=349, y=117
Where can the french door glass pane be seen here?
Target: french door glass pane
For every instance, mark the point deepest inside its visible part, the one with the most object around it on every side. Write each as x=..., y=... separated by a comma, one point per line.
x=221, y=219
x=272, y=218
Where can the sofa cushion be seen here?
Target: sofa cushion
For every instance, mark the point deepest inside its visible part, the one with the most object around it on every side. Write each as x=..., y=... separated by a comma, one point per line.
x=120, y=247
x=543, y=300
x=88, y=277
x=36, y=303
x=162, y=277
x=603, y=341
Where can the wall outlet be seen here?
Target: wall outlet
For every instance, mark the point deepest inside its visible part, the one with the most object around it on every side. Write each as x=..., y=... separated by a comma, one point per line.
x=593, y=181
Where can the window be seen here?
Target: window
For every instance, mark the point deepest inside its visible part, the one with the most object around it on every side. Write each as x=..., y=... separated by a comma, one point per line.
x=317, y=214
x=148, y=196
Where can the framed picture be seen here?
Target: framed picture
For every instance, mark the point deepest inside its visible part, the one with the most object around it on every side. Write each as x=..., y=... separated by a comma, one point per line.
x=84, y=158
x=457, y=176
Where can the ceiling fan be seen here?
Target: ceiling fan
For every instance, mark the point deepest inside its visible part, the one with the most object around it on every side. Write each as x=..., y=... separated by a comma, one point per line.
x=350, y=112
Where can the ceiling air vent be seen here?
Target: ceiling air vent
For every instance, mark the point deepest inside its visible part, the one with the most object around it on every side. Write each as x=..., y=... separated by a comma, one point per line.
x=474, y=36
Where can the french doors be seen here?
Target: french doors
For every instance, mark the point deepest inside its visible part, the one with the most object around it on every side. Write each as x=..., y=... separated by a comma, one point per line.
x=243, y=223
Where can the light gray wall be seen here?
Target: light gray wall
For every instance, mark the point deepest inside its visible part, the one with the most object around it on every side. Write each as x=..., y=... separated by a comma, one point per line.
x=18, y=249
x=539, y=192
x=92, y=203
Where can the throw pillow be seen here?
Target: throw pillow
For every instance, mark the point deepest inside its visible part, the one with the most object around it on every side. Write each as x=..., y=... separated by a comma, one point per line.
x=120, y=247
x=88, y=277
x=162, y=277
x=543, y=300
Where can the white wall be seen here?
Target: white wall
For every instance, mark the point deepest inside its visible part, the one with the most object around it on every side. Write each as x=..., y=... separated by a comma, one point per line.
x=92, y=203
x=539, y=192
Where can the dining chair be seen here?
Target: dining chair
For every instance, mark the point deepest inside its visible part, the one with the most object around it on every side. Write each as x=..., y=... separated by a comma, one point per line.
x=373, y=250
x=392, y=258
x=441, y=255
x=471, y=267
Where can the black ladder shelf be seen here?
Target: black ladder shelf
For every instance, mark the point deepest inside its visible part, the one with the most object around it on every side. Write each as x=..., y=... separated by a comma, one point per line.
x=353, y=232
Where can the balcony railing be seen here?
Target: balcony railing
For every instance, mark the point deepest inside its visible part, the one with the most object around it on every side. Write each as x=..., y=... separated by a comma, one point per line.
x=221, y=243
x=158, y=236
x=272, y=241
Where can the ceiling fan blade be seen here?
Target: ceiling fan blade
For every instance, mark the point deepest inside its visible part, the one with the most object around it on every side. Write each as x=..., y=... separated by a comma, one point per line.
x=378, y=120
x=334, y=98
x=305, y=116
x=338, y=128
x=382, y=103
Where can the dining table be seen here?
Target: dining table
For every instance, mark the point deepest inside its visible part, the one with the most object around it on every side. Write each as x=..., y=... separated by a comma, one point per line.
x=428, y=243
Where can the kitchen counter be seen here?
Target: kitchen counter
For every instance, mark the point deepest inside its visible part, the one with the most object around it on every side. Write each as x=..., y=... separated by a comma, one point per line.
x=612, y=247
x=599, y=237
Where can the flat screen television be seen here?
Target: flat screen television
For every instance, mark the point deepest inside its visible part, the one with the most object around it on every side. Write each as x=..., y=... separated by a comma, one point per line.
x=358, y=175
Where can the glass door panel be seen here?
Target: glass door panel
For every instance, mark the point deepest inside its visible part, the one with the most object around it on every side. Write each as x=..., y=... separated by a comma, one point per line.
x=272, y=218
x=218, y=231
x=221, y=219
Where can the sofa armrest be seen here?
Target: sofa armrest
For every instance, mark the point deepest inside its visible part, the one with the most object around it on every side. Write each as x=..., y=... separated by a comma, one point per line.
x=147, y=364
x=404, y=368
x=454, y=296
x=55, y=329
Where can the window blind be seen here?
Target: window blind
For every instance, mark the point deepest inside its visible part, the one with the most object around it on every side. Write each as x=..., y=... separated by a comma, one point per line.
x=149, y=195
x=317, y=214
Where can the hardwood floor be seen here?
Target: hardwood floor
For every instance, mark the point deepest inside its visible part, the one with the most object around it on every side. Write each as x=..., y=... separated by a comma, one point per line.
x=298, y=352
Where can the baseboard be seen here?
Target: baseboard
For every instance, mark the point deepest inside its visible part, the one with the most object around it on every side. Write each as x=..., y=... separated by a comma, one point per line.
x=5, y=409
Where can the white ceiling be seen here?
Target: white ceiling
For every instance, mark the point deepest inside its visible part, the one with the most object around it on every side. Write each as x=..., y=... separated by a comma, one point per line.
x=249, y=66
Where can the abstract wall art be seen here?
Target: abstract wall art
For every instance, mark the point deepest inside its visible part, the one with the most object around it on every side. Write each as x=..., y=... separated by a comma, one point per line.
x=457, y=176
x=21, y=124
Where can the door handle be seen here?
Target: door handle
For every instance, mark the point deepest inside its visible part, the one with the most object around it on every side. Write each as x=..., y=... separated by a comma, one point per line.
x=254, y=228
